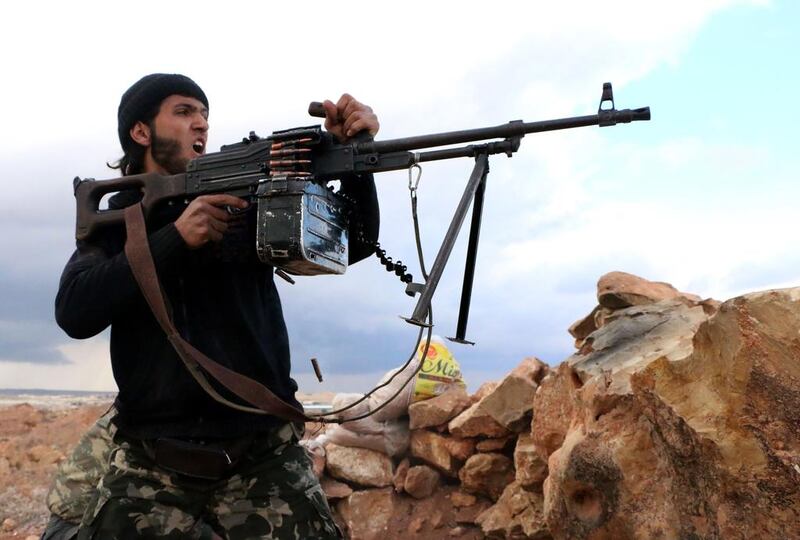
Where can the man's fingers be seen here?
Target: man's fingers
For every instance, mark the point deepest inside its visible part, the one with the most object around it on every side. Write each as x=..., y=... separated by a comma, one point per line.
x=343, y=102
x=215, y=235
x=331, y=114
x=359, y=121
x=205, y=208
x=216, y=226
x=350, y=117
x=222, y=200
x=354, y=106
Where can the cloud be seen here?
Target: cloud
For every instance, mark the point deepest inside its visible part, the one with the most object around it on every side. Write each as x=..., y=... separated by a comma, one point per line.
x=555, y=214
x=87, y=368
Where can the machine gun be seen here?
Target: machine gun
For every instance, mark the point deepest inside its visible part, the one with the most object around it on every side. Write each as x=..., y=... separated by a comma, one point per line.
x=302, y=225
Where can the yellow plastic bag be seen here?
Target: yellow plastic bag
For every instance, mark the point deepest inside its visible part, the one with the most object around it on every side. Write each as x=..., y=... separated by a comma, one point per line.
x=440, y=370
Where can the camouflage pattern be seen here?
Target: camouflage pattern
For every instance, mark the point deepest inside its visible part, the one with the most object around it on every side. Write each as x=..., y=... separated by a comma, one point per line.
x=77, y=476
x=271, y=493
x=58, y=529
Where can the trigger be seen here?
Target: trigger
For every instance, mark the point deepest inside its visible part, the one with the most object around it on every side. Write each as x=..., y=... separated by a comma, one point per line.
x=234, y=211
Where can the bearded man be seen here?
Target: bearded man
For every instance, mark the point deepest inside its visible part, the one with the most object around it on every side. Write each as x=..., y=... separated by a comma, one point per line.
x=224, y=301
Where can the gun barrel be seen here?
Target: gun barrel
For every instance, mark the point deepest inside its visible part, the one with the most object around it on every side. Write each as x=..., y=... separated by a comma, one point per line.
x=508, y=130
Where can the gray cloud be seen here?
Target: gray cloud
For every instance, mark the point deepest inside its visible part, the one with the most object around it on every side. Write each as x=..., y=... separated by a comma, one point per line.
x=350, y=322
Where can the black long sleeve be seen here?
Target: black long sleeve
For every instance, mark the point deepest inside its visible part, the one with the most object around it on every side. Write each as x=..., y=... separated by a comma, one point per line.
x=97, y=283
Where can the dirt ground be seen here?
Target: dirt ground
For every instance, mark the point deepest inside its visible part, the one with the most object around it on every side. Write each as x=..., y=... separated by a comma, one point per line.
x=33, y=440
x=32, y=443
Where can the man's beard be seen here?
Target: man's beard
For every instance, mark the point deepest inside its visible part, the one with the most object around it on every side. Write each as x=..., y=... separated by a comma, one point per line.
x=167, y=153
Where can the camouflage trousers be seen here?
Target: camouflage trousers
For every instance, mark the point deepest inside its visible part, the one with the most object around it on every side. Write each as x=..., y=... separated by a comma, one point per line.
x=77, y=477
x=271, y=493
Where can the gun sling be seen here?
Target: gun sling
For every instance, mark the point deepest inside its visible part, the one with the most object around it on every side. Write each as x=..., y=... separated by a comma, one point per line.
x=137, y=249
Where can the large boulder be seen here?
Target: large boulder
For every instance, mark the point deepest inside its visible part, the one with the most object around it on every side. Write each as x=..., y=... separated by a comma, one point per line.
x=511, y=403
x=435, y=450
x=359, y=465
x=476, y=422
x=504, y=408
x=619, y=290
x=555, y=404
x=633, y=470
x=367, y=513
x=639, y=334
x=703, y=443
x=439, y=409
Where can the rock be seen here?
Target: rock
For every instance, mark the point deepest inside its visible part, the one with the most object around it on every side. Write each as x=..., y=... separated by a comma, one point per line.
x=421, y=481
x=581, y=328
x=5, y=467
x=440, y=409
x=488, y=474
x=636, y=471
x=495, y=445
x=702, y=446
x=460, y=448
x=530, y=467
x=476, y=422
x=359, y=465
x=617, y=290
x=367, y=513
x=640, y=334
x=459, y=499
x=400, y=472
x=483, y=390
x=8, y=525
x=517, y=514
x=554, y=407
x=433, y=449
x=511, y=402
x=334, y=489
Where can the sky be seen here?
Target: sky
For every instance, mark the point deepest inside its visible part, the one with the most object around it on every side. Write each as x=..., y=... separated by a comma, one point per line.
x=701, y=197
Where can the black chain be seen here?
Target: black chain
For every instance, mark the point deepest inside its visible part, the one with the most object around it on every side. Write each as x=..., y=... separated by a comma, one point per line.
x=398, y=267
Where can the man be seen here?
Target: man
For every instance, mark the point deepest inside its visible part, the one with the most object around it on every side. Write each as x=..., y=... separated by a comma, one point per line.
x=225, y=303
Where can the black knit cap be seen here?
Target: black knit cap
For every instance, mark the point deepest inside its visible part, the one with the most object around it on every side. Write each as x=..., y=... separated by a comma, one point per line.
x=148, y=92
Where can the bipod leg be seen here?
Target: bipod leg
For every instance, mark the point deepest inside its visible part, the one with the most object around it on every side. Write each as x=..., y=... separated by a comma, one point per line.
x=479, y=172
x=469, y=266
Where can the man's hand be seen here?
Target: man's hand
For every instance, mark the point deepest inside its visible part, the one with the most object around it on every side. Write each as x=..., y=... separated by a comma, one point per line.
x=349, y=116
x=206, y=219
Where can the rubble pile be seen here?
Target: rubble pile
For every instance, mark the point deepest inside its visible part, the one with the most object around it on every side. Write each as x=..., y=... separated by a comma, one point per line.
x=458, y=474
x=677, y=417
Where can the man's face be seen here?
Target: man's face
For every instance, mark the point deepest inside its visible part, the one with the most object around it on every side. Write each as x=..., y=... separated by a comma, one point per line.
x=179, y=134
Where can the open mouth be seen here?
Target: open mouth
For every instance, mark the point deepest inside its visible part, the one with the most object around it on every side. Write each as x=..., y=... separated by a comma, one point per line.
x=199, y=147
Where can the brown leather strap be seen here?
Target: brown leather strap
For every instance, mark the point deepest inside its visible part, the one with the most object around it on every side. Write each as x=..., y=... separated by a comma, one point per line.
x=137, y=249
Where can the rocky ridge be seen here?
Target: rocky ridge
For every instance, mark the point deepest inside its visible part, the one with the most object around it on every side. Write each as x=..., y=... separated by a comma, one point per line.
x=677, y=417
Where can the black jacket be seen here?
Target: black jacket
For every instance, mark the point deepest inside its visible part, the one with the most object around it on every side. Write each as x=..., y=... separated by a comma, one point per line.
x=224, y=302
